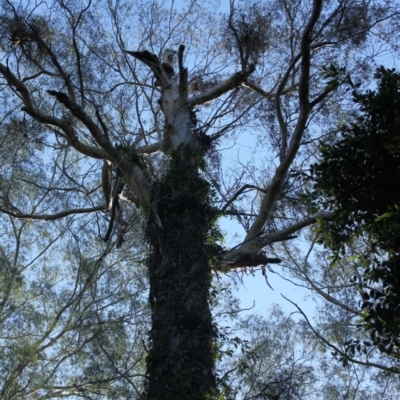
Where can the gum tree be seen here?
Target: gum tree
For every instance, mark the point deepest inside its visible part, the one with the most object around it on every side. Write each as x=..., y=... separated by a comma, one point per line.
x=129, y=123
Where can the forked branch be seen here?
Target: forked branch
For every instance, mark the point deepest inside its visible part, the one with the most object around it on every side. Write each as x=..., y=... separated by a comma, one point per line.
x=278, y=180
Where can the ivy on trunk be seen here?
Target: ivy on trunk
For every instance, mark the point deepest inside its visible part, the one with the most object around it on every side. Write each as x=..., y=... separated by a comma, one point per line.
x=183, y=245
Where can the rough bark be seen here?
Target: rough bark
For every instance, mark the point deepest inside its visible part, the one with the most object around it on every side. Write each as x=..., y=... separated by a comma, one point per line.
x=180, y=363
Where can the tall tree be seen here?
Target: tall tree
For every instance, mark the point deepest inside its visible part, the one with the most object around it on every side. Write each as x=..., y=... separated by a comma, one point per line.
x=101, y=94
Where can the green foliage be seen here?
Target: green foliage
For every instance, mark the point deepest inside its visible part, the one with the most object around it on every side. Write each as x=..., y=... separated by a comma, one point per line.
x=358, y=179
x=26, y=32
x=93, y=340
x=75, y=308
x=353, y=23
x=274, y=364
x=130, y=154
x=183, y=196
x=358, y=174
x=334, y=76
x=248, y=32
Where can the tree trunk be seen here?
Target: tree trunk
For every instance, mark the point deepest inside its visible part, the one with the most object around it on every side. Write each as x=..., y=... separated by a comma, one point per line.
x=180, y=363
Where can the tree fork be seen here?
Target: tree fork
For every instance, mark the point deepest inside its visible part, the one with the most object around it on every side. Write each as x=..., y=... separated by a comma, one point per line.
x=180, y=363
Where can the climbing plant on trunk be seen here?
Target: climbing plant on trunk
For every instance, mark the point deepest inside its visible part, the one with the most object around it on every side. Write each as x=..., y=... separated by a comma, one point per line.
x=129, y=128
x=183, y=239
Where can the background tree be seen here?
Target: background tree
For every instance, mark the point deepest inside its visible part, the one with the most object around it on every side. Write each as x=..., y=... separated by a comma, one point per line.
x=131, y=142
x=356, y=178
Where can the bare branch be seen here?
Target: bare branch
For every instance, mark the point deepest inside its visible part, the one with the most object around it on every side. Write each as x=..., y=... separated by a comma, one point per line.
x=133, y=173
x=336, y=349
x=287, y=232
x=314, y=286
x=149, y=149
x=152, y=61
x=278, y=180
x=46, y=119
x=238, y=193
x=119, y=187
x=65, y=76
x=106, y=182
x=321, y=96
x=253, y=260
x=13, y=81
x=231, y=83
x=271, y=94
x=52, y=217
x=183, y=73
x=255, y=244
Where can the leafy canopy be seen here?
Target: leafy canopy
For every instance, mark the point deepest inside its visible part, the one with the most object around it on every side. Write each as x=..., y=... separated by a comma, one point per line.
x=358, y=179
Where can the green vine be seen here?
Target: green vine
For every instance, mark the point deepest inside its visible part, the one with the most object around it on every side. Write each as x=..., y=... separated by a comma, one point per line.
x=130, y=154
x=184, y=239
